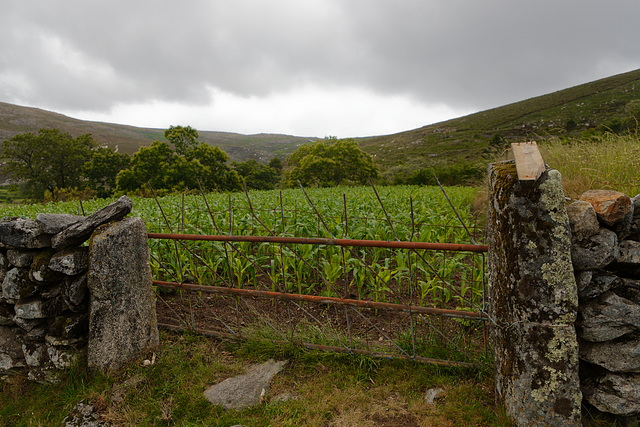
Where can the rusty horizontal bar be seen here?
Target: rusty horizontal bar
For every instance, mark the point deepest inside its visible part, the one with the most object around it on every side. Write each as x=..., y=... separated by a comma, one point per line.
x=310, y=346
x=324, y=241
x=459, y=314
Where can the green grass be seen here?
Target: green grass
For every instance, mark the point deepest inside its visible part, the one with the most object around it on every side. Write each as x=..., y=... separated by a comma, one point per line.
x=330, y=390
x=609, y=162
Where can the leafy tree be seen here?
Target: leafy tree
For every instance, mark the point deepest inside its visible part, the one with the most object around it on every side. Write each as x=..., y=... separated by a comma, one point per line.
x=101, y=171
x=184, y=139
x=149, y=164
x=276, y=164
x=217, y=175
x=256, y=175
x=329, y=162
x=164, y=168
x=48, y=160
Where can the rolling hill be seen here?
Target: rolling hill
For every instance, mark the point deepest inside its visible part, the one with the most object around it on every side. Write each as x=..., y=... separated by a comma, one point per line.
x=571, y=111
x=16, y=119
x=586, y=108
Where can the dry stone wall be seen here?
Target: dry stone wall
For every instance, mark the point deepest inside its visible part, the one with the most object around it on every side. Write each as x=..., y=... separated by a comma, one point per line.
x=45, y=301
x=605, y=253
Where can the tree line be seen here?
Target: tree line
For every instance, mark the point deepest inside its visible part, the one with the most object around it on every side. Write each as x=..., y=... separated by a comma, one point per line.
x=50, y=162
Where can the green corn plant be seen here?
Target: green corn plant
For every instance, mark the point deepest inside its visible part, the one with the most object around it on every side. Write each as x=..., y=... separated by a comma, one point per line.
x=332, y=269
x=382, y=278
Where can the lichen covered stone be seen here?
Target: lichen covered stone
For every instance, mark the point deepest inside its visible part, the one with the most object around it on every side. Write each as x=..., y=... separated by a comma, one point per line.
x=532, y=299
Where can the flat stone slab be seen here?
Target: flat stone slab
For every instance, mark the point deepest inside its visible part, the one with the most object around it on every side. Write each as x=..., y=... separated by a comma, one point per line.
x=55, y=223
x=244, y=390
x=81, y=230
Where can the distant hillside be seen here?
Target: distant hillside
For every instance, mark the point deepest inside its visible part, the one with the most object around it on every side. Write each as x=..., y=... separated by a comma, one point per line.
x=586, y=107
x=15, y=119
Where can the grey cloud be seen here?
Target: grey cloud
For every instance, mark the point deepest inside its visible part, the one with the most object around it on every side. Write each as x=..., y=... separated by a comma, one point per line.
x=467, y=54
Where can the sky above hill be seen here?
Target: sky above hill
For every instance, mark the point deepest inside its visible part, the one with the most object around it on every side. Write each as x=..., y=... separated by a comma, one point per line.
x=304, y=67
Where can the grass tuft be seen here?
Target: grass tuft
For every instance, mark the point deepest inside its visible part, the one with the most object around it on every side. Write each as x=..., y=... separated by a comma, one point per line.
x=607, y=162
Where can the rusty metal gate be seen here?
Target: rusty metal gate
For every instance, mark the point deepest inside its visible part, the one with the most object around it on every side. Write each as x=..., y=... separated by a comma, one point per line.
x=414, y=300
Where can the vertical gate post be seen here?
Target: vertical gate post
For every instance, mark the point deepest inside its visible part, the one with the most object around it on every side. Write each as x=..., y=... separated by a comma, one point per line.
x=122, y=322
x=532, y=298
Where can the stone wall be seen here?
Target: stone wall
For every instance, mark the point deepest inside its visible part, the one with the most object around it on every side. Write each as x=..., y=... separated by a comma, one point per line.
x=533, y=300
x=45, y=301
x=605, y=229
x=564, y=298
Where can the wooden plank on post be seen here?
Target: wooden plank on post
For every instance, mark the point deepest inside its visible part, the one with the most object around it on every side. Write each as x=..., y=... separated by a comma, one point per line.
x=529, y=163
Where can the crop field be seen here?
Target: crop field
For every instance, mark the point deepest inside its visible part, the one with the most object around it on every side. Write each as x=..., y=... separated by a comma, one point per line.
x=405, y=213
x=406, y=277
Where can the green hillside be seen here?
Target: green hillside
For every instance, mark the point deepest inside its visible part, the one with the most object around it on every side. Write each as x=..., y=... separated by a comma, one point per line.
x=591, y=106
x=15, y=119
x=588, y=107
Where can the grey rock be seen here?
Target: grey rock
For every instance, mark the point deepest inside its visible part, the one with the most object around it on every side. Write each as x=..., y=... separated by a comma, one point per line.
x=4, y=261
x=38, y=308
x=583, y=220
x=37, y=334
x=6, y=314
x=616, y=356
x=63, y=342
x=629, y=289
x=16, y=285
x=596, y=252
x=55, y=223
x=23, y=233
x=32, y=308
x=623, y=227
x=636, y=204
x=20, y=257
x=11, y=355
x=70, y=261
x=69, y=326
x=35, y=354
x=84, y=415
x=433, y=394
x=614, y=393
x=45, y=375
x=50, y=291
x=629, y=252
x=29, y=325
x=583, y=278
x=244, y=390
x=75, y=292
x=608, y=317
x=61, y=357
x=600, y=283
x=634, y=229
x=82, y=230
x=123, y=321
x=40, y=272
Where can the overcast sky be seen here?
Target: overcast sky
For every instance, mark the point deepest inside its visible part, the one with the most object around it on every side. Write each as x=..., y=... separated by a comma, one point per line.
x=304, y=67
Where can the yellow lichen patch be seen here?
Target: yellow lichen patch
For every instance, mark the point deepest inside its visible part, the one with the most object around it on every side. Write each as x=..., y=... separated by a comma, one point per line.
x=556, y=379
